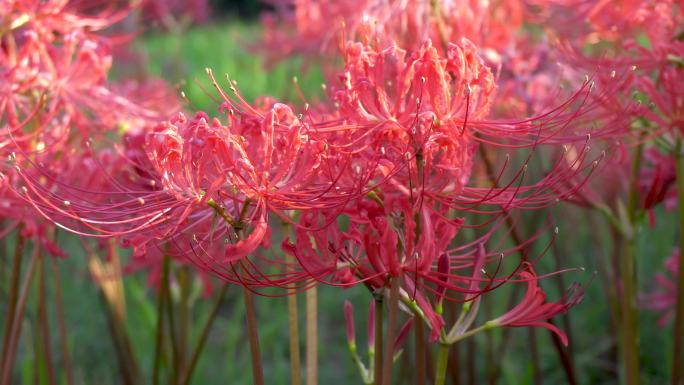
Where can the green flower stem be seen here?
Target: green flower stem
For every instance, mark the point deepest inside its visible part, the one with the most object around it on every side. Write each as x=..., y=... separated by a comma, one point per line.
x=393, y=306
x=442, y=363
x=161, y=300
x=377, y=367
x=204, y=334
x=630, y=327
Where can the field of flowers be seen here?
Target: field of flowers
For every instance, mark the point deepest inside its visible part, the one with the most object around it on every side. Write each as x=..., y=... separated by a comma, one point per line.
x=354, y=192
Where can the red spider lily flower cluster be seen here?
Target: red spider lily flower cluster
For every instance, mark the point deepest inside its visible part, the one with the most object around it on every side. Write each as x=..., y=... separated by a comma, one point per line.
x=533, y=310
x=664, y=298
x=315, y=27
x=56, y=101
x=443, y=123
x=376, y=182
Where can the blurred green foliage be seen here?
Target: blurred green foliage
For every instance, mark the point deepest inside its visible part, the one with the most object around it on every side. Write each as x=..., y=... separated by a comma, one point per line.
x=181, y=57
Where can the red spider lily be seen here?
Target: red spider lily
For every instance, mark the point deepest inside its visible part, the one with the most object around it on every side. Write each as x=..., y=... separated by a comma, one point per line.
x=668, y=99
x=367, y=253
x=349, y=322
x=657, y=183
x=533, y=310
x=664, y=299
x=54, y=18
x=52, y=48
x=394, y=156
x=304, y=26
x=593, y=21
x=54, y=80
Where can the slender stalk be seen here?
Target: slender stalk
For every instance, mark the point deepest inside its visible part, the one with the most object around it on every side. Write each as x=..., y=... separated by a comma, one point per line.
x=568, y=353
x=393, y=307
x=534, y=356
x=4, y=261
x=312, y=336
x=253, y=335
x=442, y=361
x=184, y=318
x=517, y=239
x=160, y=322
x=108, y=278
x=128, y=368
x=454, y=365
x=44, y=324
x=377, y=373
x=454, y=358
x=430, y=367
x=419, y=333
x=293, y=324
x=34, y=339
x=250, y=312
x=565, y=359
x=15, y=331
x=615, y=351
x=472, y=365
x=630, y=332
x=678, y=351
x=61, y=325
x=166, y=285
x=203, y=336
x=13, y=292
x=494, y=371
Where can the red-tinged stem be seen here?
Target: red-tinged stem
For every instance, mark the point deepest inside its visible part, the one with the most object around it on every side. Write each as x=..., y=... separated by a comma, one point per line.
x=253, y=335
x=184, y=318
x=293, y=324
x=565, y=357
x=630, y=344
x=615, y=297
x=38, y=362
x=454, y=365
x=203, y=336
x=678, y=351
x=472, y=365
x=250, y=316
x=44, y=324
x=13, y=292
x=161, y=300
x=15, y=331
x=419, y=334
x=312, y=336
x=170, y=314
x=4, y=261
x=517, y=239
x=493, y=370
x=630, y=327
x=61, y=325
x=534, y=356
x=454, y=358
x=393, y=307
x=377, y=373
x=122, y=344
x=566, y=354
